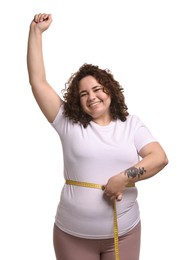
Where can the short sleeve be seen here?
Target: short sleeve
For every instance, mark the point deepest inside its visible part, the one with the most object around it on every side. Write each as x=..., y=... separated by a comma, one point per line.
x=142, y=135
x=58, y=119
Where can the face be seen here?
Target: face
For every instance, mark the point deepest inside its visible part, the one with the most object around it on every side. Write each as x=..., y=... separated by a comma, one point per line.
x=94, y=101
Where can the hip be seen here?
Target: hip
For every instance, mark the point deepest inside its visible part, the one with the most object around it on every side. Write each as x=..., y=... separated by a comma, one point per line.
x=90, y=215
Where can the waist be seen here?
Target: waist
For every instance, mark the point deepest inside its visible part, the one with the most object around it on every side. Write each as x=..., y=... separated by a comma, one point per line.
x=87, y=213
x=91, y=185
x=115, y=221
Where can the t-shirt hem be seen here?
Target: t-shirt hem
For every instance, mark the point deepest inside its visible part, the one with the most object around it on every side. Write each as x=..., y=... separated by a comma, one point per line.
x=93, y=236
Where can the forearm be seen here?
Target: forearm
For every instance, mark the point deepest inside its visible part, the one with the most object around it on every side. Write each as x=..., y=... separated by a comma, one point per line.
x=146, y=168
x=35, y=63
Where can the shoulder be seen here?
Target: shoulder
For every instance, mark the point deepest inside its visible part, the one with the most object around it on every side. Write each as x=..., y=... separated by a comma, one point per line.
x=59, y=115
x=133, y=120
x=133, y=117
x=60, y=119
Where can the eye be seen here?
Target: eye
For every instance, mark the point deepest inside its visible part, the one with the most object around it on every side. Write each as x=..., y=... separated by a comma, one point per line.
x=83, y=94
x=97, y=89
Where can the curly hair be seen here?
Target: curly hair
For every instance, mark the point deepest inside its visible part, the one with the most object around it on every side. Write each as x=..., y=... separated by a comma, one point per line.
x=72, y=107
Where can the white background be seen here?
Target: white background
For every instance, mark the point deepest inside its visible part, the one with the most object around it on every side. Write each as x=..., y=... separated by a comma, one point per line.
x=142, y=43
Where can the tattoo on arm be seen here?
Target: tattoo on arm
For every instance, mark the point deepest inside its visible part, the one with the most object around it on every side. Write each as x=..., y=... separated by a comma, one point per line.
x=134, y=172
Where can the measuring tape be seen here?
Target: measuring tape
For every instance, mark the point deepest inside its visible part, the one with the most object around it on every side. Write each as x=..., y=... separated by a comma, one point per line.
x=101, y=187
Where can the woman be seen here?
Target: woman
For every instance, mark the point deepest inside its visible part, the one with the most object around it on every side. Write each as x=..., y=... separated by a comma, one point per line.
x=102, y=145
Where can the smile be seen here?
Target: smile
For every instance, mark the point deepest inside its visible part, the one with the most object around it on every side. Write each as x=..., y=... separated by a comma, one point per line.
x=94, y=104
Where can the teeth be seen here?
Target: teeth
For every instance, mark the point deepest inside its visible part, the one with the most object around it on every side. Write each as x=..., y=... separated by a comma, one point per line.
x=93, y=104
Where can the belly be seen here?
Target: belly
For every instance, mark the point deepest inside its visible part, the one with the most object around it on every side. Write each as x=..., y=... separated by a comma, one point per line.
x=87, y=213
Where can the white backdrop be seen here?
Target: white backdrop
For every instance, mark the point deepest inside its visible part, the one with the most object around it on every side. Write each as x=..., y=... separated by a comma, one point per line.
x=141, y=42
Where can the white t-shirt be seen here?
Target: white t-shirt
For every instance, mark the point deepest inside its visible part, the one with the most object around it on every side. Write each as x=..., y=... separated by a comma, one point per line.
x=94, y=154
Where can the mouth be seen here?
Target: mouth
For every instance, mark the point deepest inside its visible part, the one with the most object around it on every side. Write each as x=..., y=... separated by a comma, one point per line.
x=94, y=103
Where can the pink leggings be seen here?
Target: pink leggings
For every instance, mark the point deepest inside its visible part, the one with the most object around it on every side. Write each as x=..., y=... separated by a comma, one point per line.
x=69, y=247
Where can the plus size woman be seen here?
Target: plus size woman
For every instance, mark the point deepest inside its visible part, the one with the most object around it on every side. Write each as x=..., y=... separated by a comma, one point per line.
x=101, y=144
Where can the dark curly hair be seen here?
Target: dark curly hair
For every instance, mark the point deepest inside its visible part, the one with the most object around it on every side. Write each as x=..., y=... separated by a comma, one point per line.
x=72, y=107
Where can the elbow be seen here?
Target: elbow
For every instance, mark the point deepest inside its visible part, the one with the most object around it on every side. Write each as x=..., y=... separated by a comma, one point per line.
x=164, y=161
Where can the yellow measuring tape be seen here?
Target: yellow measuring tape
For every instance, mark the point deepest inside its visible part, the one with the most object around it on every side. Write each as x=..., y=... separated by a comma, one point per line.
x=98, y=186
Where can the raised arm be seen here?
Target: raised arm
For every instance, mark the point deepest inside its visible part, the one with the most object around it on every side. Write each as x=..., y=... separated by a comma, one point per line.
x=48, y=100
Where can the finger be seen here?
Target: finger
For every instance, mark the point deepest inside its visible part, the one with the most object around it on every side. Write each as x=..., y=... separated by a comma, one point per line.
x=41, y=17
x=119, y=197
x=108, y=194
x=103, y=187
x=38, y=18
x=46, y=17
x=35, y=18
x=112, y=197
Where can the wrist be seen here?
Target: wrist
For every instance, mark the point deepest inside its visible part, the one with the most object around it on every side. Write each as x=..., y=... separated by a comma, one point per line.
x=125, y=180
x=34, y=28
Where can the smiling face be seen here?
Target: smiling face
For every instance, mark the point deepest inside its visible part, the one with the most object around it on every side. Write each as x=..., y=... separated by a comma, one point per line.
x=94, y=101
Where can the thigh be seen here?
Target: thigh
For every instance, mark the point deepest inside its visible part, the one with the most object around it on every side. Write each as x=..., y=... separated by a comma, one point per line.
x=129, y=246
x=69, y=247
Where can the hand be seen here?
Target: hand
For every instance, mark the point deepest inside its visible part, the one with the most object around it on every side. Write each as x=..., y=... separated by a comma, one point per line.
x=115, y=187
x=41, y=21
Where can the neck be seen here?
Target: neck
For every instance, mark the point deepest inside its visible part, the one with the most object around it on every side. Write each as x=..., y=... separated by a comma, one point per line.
x=102, y=121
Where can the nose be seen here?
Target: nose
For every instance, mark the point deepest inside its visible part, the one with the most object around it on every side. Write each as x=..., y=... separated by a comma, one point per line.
x=91, y=96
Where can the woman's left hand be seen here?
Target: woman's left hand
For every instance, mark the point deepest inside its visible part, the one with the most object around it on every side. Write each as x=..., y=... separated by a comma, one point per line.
x=115, y=187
